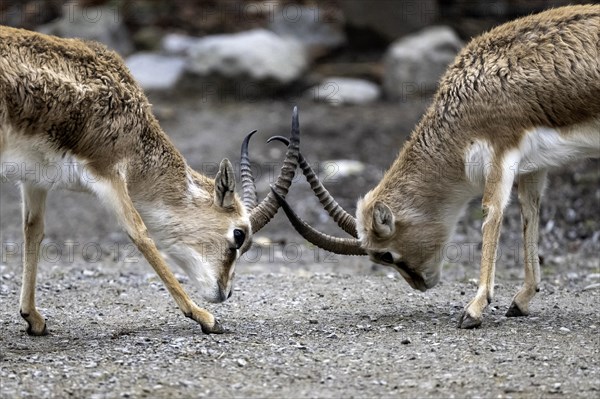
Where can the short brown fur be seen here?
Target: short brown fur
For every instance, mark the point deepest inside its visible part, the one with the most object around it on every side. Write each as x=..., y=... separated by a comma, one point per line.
x=538, y=71
x=66, y=99
x=517, y=101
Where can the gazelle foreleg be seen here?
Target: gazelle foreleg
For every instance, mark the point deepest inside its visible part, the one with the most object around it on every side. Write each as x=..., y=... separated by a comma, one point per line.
x=34, y=205
x=495, y=198
x=531, y=187
x=130, y=219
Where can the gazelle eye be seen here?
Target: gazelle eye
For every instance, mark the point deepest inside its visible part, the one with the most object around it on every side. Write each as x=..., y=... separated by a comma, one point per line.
x=387, y=257
x=239, y=236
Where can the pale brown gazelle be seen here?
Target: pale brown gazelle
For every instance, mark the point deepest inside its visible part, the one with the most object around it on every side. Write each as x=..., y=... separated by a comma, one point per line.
x=517, y=101
x=74, y=106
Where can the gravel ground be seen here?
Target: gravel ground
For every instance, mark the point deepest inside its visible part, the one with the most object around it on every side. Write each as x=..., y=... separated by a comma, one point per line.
x=302, y=323
x=116, y=333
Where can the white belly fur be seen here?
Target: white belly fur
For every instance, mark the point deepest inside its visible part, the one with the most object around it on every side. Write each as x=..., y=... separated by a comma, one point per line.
x=541, y=148
x=33, y=160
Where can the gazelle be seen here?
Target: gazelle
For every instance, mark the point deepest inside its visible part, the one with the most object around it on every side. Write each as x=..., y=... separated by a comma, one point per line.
x=74, y=105
x=517, y=101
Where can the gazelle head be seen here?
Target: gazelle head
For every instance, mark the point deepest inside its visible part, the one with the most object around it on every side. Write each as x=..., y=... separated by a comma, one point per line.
x=394, y=234
x=212, y=226
x=389, y=230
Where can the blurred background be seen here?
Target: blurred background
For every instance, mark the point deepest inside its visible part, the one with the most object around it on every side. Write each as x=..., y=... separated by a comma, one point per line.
x=362, y=74
x=295, y=43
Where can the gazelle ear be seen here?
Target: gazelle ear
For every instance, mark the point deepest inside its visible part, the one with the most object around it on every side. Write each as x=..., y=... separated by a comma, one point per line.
x=383, y=220
x=225, y=185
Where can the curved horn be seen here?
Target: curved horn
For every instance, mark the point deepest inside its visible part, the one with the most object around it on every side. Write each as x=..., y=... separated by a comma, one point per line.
x=264, y=212
x=343, y=219
x=342, y=246
x=249, y=196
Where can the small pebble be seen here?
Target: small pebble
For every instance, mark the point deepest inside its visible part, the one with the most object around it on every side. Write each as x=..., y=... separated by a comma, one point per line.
x=556, y=387
x=405, y=341
x=591, y=287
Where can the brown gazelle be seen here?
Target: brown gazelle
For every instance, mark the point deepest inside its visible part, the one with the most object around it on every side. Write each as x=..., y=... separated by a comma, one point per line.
x=74, y=105
x=517, y=101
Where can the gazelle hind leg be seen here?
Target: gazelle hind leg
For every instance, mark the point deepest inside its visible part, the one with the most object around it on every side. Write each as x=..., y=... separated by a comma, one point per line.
x=531, y=187
x=495, y=198
x=117, y=196
x=34, y=204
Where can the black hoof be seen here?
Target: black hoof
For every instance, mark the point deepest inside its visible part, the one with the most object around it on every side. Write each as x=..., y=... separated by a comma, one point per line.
x=36, y=334
x=215, y=329
x=515, y=311
x=467, y=322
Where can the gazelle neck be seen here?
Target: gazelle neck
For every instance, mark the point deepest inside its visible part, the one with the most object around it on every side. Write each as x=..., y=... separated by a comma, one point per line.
x=156, y=167
x=428, y=176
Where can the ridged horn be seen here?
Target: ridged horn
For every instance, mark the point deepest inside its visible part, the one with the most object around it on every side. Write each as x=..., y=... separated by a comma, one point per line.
x=343, y=219
x=342, y=246
x=249, y=196
x=264, y=212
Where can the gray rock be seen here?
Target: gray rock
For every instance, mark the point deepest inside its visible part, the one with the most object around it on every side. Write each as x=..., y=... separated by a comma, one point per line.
x=390, y=18
x=590, y=287
x=103, y=24
x=340, y=91
x=177, y=43
x=414, y=64
x=256, y=59
x=310, y=26
x=155, y=71
x=340, y=169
